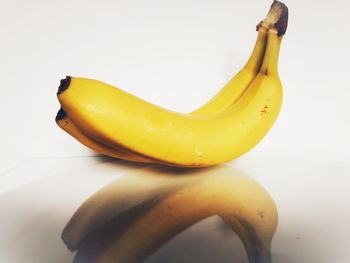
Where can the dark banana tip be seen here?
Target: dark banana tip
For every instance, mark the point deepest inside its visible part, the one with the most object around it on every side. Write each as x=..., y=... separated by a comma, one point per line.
x=69, y=246
x=282, y=23
x=60, y=115
x=277, y=18
x=64, y=84
x=66, y=240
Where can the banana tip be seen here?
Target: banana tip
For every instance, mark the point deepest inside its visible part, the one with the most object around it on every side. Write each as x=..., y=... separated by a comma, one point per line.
x=70, y=247
x=277, y=18
x=282, y=21
x=60, y=115
x=68, y=244
x=64, y=84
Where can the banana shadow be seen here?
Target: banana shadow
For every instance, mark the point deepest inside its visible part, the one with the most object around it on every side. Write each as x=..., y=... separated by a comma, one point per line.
x=157, y=168
x=133, y=217
x=120, y=162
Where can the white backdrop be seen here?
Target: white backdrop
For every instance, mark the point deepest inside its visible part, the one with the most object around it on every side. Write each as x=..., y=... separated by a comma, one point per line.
x=176, y=54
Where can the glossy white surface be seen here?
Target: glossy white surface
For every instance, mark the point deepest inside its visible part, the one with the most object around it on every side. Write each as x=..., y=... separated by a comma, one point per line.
x=312, y=199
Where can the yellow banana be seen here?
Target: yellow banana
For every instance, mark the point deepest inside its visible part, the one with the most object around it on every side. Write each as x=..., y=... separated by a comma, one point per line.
x=233, y=90
x=127, y=229
x=227, y=96
x=115, y=117
x=64, y=122
x=119, y=119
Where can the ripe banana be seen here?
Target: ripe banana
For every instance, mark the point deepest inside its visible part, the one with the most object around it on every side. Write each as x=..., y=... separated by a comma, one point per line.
x=121, y=120
x=117, y=118
x=234, y=89
x=128, y=229
x=64, y=122
x=227, y=96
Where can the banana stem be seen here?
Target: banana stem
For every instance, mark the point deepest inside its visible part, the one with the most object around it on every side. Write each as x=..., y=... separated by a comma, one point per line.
x=256, y=58
x=257, y=248
x=270, y=62
x=275, y=23
x=277, y=18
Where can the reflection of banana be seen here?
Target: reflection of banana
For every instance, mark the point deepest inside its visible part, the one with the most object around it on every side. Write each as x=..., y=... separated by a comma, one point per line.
x=135, y=229
x=116, y=198
x=67, y=125
x=118, y=119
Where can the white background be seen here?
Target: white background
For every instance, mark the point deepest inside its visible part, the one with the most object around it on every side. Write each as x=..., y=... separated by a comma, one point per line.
x=178, y=54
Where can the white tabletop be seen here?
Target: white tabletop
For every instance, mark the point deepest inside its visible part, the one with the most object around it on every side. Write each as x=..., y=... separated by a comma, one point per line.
x=312, y=198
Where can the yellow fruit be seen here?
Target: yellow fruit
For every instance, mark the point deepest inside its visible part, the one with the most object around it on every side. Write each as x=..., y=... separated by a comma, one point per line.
x=223, y=129
x=227, y=96
x=117, y=118
x=67, y=125
x=234, y=89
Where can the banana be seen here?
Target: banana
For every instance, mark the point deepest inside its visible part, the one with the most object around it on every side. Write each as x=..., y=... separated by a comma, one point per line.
x=227, y=96
x=181, y=201
x=64, y=122
x=233, y=90
x=117, y=118
x=121, y=120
